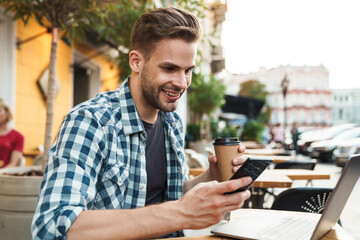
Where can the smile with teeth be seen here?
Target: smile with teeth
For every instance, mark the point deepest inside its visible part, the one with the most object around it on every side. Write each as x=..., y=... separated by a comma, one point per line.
x=171, y=94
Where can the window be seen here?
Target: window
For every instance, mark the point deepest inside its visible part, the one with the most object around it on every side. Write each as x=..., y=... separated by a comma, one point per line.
x=340, y=113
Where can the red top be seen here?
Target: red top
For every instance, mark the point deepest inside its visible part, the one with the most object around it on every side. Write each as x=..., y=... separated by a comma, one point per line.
x=8, y=143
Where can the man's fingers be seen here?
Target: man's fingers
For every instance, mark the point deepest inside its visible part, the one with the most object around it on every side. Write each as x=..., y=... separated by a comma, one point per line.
x=234, y=198
x=233, y=185
x=241, y=148
x=212, y=159
x=239, y=159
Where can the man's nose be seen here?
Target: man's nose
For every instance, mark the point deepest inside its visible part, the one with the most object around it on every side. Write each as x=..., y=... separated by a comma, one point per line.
x=181, y=81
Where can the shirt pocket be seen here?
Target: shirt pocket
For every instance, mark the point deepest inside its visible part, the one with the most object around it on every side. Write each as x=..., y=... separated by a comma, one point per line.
x=113, y=187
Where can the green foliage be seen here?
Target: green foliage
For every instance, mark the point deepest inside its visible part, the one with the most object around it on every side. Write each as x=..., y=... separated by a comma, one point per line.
x=252, y=131
x=214, y=123
x=229, y=131
x=194, y=130
x=205, y=96
x=117, y=27
x=71, y=16
x=265, y=114
x=255, y=89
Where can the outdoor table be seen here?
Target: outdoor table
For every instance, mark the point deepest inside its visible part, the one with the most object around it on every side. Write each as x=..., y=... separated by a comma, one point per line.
x=252, y=145
x=276, y=159
x=265, y=151
x=336, y=233
x=273, y=178
x=278, y=177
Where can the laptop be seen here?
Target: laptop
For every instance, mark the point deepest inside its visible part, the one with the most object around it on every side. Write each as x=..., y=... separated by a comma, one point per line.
x=270, y=224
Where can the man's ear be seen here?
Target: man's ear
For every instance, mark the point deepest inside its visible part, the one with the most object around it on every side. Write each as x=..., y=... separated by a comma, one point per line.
x=135, y=61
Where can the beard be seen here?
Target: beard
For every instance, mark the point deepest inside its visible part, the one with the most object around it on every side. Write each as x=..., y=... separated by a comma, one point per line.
x=151, y=93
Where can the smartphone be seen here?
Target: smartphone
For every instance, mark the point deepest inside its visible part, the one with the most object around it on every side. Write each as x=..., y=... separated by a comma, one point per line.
x=252, y=167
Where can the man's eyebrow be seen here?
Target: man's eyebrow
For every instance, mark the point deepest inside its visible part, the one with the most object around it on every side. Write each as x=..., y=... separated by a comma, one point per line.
x=169, y=64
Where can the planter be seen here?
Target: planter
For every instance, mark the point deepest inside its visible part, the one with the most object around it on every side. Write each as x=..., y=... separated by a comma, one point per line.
x=18, y=200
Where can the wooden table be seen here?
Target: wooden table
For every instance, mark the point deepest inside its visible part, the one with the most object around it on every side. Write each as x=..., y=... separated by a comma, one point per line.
x=265, y=151
x=337, y=233
x=252, y=145
x=268, y=179
x=279, y=178
x=274, y=178
x=276, y=159
x=300, y=174
x=282, y=178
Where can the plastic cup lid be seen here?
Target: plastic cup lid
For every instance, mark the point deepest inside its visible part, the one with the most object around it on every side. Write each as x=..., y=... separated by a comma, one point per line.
x=226, y=141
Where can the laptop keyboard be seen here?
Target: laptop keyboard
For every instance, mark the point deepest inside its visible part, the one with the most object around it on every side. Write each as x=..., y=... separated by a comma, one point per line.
x=290, y=228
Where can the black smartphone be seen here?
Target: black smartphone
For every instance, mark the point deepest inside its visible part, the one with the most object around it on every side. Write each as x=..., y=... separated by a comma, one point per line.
x=252, y=167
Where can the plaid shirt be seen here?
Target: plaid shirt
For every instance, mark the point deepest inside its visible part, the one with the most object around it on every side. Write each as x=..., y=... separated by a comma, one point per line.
x=98, y=162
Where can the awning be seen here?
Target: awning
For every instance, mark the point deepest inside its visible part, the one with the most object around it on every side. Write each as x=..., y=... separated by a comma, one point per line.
x=250, y=107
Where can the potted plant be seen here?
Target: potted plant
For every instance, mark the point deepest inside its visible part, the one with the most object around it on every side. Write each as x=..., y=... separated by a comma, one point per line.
x=18, y=198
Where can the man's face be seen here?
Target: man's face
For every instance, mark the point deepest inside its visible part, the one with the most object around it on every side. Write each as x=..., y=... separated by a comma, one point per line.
x=167, y=73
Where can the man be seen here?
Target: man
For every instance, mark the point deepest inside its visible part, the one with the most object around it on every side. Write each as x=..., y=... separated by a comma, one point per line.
x=295, y=137
x=117, y=169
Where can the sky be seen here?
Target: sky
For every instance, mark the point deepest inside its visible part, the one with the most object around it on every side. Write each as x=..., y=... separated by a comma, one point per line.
x=270, y=33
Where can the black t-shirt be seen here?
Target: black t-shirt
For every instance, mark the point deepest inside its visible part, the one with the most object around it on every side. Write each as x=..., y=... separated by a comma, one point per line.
x=156, y=166
x=155, y=162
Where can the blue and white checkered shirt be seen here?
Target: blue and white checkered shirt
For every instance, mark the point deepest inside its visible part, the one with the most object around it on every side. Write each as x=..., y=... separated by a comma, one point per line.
x=98, y=162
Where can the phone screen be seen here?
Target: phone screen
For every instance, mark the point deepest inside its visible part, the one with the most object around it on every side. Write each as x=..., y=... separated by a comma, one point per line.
x=252, y=167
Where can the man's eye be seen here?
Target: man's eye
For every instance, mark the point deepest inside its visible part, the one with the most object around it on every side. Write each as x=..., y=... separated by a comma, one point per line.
x=188, y=71
x=169, y=69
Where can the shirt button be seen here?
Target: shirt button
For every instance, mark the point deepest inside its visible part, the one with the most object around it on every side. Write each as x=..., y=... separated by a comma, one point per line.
x=120, y=181
x=179, y=170
x=173, y=124
x=141, y=188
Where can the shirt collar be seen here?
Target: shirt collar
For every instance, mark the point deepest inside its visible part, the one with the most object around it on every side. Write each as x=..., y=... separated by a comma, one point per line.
x=130, y=118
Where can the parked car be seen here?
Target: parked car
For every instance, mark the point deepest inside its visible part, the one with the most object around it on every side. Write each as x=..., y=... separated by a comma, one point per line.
x=323, y=150
x=288, y=137
x=347, y=148
x=321, y=134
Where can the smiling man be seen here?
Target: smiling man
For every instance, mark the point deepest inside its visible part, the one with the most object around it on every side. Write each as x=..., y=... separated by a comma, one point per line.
x=117, y=169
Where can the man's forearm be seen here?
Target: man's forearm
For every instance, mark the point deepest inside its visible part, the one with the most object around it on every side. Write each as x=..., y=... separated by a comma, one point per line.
x=140, y=223
x=204, y=205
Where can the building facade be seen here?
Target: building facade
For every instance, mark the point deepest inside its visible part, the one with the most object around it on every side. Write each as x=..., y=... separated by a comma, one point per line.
x=24, y=60
x=345, y=106
x=308, y=96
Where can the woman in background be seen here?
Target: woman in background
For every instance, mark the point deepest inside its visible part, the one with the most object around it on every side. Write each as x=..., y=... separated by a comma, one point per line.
x=11, y=141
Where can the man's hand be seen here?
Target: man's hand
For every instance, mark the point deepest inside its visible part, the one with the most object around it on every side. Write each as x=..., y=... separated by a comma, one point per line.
x=237, y=162
x=205, y=204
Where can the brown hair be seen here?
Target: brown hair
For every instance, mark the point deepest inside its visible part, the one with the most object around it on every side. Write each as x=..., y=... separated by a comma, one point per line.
x=7, y=110
x=156, y=25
